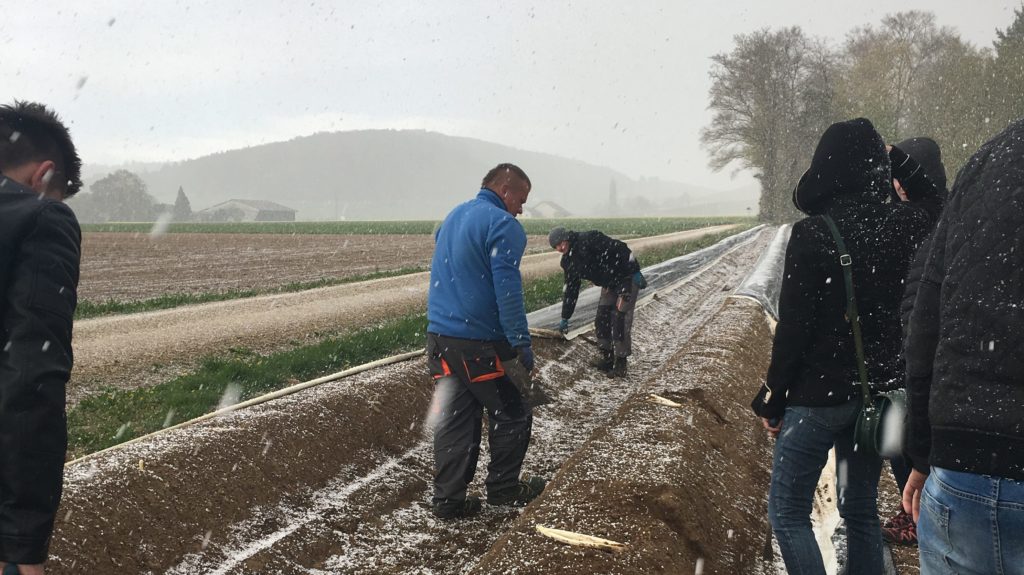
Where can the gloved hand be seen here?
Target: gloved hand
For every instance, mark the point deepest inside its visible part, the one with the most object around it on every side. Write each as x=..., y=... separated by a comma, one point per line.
x=563, y=326
x=640, y=280
x=526, y=356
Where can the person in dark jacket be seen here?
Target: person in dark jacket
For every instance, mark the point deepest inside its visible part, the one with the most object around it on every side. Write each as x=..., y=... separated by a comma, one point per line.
x=901, y=529
x=811, y=397
x=965, y=372
x=609, y=264
x=476, y=329
x=39, y=257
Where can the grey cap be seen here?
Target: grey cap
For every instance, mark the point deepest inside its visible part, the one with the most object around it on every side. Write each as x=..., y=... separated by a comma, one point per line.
x=557, y=236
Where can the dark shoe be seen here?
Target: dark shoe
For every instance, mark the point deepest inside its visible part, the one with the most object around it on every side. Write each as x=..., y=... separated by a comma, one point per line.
x=905, y=535
x=901, y=519
x=619, y=370
x=604, y=362
x=518, y=495
x=456, y=509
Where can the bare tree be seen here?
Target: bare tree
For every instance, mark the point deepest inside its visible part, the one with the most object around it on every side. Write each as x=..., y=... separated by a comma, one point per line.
x=882, y=69
x=771, y=97
x=1008, y=72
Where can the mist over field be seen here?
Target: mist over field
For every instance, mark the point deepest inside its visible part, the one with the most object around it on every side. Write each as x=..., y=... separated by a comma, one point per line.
x=415, y=174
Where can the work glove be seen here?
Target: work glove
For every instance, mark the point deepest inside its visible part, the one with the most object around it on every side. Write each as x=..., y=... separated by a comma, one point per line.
x=640, y=280
x=526, y=356
x=563, y=326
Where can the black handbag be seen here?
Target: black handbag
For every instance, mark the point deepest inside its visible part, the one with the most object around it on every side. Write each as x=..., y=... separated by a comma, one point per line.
x=868, y=433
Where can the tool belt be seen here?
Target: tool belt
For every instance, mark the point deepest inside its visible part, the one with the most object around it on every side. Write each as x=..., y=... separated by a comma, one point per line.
x=475, y=361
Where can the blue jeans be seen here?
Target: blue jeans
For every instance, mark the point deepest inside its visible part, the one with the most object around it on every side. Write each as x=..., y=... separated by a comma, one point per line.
x=801, y=452
x=971, y=524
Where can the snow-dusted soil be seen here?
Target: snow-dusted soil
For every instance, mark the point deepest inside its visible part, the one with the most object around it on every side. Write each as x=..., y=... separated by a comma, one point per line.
x=336, y=479
x=683, y=487
x=136, y=350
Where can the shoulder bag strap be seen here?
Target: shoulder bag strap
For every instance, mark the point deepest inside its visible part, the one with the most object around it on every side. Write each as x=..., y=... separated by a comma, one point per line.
x=846, y=262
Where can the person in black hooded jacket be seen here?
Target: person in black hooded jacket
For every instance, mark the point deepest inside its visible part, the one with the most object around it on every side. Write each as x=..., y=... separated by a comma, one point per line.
x=965, y=372
x=39, y=258
x=609, y=264
x=900, y=529
x=811, y=396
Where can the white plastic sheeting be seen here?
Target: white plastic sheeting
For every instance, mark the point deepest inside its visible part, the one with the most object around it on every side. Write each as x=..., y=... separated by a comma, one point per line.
x=765, y=282
x=660, y=277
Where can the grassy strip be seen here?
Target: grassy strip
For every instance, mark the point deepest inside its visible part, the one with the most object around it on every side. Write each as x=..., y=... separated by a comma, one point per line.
x=116, y=416
x=610, y=226
x=87, y=309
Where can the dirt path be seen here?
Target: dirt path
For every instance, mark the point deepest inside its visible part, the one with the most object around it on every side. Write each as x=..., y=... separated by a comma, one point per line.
x=139, y=349
x=334, y=480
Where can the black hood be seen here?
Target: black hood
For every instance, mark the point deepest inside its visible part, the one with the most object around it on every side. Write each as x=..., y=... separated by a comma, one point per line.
x=927, y=153
x=850, y=165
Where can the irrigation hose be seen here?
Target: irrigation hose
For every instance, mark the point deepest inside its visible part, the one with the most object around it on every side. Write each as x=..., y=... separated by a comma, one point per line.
x=261, y=399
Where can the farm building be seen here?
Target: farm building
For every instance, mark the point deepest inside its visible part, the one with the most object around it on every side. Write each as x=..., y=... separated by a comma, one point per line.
x=545, y=209
x=247, y=211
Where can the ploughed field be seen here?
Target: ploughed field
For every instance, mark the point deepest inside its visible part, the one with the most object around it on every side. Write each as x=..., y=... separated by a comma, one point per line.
x=129, y=266
x=129, y=262
x=335, y=479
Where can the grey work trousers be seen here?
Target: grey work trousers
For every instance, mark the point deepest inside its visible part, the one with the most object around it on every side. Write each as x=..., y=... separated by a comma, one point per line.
x=458, y=420
x=612, y=326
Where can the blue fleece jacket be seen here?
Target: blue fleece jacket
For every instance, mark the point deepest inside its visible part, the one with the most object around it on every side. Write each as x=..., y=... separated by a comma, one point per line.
x=476, y=291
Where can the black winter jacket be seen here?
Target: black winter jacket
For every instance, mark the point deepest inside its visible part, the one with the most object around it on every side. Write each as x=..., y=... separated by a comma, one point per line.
x=814, y=360
x=595, y=257
x=965, y=349
x=39, y=255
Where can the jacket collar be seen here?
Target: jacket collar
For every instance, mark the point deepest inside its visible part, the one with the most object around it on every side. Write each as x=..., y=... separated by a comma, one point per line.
x=490, y=196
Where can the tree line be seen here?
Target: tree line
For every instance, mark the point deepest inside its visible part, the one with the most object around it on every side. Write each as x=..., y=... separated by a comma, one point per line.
x=123, y=196
x=774, y=94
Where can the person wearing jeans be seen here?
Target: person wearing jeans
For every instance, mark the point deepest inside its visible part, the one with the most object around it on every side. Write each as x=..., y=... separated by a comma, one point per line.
x=806, y=437
x=811, y=397
x=965, y=373
x=971, y=524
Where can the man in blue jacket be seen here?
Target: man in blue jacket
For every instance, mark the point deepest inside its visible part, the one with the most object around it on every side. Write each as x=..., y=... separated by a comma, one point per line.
x=476, y=327
x=39, y=257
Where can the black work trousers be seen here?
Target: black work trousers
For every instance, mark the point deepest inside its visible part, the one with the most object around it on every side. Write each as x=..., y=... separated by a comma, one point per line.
x=463, y=390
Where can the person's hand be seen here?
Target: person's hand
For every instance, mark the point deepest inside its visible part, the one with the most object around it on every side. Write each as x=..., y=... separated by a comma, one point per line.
x=639, y=280
x=773, y=425
x=36, y=569
x=526, y=356
x=563, y=326
x=912, y=493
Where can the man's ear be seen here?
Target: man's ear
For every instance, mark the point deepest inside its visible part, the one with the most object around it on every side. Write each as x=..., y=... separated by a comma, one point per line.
x=41, y=178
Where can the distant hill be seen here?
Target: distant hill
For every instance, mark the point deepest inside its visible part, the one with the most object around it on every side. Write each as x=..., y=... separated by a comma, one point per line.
x=412, y=174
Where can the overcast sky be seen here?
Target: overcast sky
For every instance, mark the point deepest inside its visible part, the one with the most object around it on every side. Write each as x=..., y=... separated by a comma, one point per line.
x=621, y=84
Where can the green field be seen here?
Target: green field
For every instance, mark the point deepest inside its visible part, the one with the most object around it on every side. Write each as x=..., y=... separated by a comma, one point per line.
x=622, y=227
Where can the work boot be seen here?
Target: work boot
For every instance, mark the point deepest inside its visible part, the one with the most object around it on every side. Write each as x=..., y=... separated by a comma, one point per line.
x=605, y=361
x=619, y=370
x=457, y=508
x=518, y=495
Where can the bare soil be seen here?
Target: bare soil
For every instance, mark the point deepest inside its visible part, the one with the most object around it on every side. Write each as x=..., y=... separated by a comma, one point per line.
x=147, y=348
x=685, y=488
x=335, y=479
x=134, y=266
